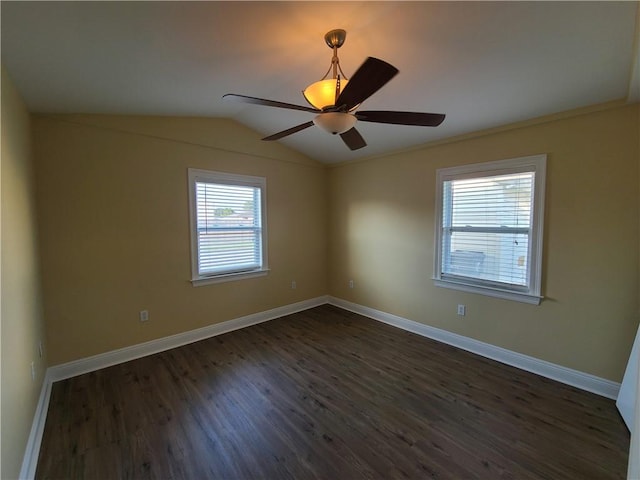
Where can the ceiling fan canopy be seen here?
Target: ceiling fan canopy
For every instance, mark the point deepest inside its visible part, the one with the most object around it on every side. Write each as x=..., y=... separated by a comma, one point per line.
x=335, y=100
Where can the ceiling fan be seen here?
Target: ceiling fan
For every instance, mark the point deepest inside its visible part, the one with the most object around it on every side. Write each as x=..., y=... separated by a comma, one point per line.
x=335, y=100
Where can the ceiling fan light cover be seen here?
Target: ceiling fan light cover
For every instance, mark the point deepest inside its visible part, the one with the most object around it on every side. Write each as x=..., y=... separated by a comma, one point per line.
x=335, y=122
x=322, y=93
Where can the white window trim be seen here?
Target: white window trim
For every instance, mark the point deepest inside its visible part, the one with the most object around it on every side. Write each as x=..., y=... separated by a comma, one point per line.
x=536, y=163
x=195, y=175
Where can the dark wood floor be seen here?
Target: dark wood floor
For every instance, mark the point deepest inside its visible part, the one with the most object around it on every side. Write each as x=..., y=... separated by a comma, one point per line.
x=327, y=394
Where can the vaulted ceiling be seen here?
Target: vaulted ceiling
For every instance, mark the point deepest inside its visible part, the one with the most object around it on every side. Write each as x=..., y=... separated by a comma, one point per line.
x=483, y=64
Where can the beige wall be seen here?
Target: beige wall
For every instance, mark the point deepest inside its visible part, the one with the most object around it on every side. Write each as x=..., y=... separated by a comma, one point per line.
x=21, y=322
x=114, y=222
x=382, y=233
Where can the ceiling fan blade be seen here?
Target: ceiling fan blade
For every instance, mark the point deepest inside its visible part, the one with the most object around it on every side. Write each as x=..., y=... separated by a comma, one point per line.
x=353, y=139
x=269, y=103
x=401, y=118
x=289, y=131
x=367, y=80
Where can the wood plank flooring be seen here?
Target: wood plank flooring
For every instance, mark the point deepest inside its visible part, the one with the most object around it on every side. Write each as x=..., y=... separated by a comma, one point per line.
x=326, y=394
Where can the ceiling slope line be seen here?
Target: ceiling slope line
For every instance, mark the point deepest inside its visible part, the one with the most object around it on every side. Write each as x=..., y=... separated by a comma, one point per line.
x=59, y=118
x=599, y=107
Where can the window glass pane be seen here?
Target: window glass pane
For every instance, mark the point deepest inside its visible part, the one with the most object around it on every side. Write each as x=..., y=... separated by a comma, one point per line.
x=496, y=201
x=227, y=205
x=486, y=227
x=229, y=228
x=495, y=257
x=222, y=250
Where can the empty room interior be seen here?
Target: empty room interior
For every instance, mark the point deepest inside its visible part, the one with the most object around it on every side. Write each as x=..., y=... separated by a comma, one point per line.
x=320, y=239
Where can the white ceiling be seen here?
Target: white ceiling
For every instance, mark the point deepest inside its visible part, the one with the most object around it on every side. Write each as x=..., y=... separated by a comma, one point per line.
x=483, y=64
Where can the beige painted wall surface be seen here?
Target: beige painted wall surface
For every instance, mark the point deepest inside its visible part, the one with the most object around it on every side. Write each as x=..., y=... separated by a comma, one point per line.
x=22, y=322
x=114, y=222
x=382, y=236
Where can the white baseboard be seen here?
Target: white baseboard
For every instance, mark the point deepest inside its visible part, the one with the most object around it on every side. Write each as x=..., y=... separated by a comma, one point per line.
x=584, y=381
x=103, y=360
x=114, y=357
x=575, y=378
x=30, y=460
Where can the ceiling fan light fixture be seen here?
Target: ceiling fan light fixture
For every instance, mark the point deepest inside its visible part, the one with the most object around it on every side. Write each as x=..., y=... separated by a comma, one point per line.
x=335, y=122
x=322, y=94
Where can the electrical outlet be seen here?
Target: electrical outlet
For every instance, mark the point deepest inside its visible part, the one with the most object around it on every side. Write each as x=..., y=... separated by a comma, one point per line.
x=293, y=285
x=144, y=315
x=462, y=310
x=350, y=283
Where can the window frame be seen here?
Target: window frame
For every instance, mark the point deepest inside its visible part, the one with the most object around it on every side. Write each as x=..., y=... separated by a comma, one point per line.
x=223, y=178
x=530, y=293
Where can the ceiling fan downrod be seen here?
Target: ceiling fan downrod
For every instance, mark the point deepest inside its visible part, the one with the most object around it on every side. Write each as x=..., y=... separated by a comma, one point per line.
x=335, y=39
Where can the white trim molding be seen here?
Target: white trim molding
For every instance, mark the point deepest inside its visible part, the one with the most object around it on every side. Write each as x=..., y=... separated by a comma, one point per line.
x=239, y=268
x=488, y=291
x=575, y=378
x=30, y=459
x=114, y=357
x=525, y=290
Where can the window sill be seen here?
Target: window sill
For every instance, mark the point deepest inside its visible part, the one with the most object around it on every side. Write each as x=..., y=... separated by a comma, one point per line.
x=228, y=277
x=489, y=291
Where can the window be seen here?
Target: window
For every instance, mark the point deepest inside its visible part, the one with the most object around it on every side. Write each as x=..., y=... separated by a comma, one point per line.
x=228, y=235
x=489, y=228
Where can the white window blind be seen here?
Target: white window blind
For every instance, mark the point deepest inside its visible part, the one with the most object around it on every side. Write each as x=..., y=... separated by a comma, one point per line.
x=490, y=226
x=227, y=224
